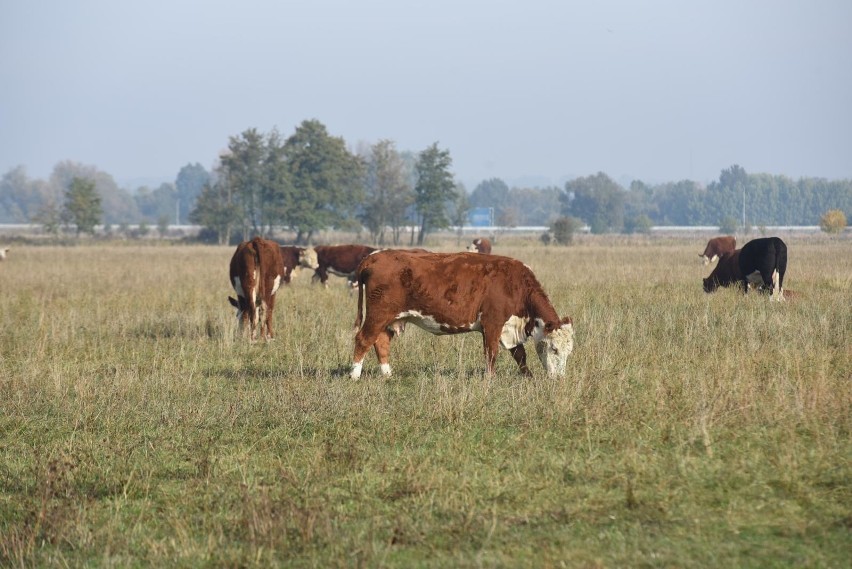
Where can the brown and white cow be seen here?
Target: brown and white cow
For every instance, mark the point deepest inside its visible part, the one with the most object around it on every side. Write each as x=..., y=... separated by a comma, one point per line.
x=451, y=293
x=717, y=247
x=4, y=253
x=255, y=273
x=294, y=258
x=340, y=260
x=480, y=245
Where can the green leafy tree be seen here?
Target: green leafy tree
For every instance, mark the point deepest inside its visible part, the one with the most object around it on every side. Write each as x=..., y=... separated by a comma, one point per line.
x=597, y=200
x=242, y=169
x=190, y=181
x=638, y=224
x=49, y=215
x=460, y=211
x=83, y=205
x=388, y=192
x=158, y=203
x=117, y=203
x=493, y=193
x=215, y=210
x=327, y=180
x=434, y=189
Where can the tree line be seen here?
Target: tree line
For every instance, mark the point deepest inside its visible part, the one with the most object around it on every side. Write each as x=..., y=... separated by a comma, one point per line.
x=311, y=181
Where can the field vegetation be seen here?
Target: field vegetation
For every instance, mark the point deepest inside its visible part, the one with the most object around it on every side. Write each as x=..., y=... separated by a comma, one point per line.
x=691, y=430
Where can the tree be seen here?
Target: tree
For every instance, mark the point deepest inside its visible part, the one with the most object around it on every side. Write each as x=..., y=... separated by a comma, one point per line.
x=242, y=171
x=117, y=204
x=327, y=180
x=434, y=189
x=216, y=211
x=189, y=183
x=834, y=221
x=597, y=200
x=388, y=192
x=492, y=193
x=83, y=205
x=461, y=208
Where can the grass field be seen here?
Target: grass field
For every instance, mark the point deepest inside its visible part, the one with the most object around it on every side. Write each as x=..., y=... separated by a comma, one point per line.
x=691, y=430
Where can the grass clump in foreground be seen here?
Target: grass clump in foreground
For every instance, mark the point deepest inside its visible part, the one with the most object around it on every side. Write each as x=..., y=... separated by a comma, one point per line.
x=691, y=429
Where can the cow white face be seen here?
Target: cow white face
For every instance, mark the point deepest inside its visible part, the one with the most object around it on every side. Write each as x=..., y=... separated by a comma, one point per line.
x=554, y=348
x=308, y=258
x=472, y=248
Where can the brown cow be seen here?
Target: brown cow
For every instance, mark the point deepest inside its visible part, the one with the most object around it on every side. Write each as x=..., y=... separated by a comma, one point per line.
x=717, y=247
x=340, y=260
x=480, y=245
x=297, y=257
x=255, y=273
x=726, y=272
x=454, y=293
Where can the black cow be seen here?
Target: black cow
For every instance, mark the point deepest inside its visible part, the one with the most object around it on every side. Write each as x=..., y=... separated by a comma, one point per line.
x=761, y=262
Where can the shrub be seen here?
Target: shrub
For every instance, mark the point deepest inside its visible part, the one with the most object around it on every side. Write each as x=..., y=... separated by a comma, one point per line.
x=728, y=226
x=639, y=224
x=834, y=221
x=563, y=229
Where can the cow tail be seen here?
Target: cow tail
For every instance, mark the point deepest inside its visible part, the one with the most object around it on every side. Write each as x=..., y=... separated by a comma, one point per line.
x=257, y=303
x=359, y=319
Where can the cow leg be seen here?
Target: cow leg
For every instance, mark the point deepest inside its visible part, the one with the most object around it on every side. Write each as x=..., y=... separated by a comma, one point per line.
x=520, y=355
x=491, y=345
x=382, y=347
x=365, y=339
x=269, y=308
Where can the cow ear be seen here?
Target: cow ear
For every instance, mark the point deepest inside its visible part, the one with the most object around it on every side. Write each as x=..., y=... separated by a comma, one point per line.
x=566, y=320
x=234, y=302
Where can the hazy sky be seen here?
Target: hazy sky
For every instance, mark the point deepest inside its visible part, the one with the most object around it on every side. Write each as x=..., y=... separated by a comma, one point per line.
x=527, y=91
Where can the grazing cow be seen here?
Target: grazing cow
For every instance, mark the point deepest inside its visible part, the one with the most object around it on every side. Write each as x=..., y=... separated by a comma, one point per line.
x=761, y=262
x=4, y=253
x=726, y=272
x=717, y=247
x=297, y=257
x=480, y=245
x=255, y=273
x=340, y=260
x=451, y=293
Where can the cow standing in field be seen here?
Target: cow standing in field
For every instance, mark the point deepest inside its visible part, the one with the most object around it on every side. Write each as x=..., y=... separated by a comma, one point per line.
x=480, y=245
x=295, y=258
x=454, y=293
x=340, y=260
x=761, y=262
x=255, y=273
x=717, y=247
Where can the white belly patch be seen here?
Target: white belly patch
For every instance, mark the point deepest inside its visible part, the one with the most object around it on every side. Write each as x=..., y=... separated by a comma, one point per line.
x=432, y=326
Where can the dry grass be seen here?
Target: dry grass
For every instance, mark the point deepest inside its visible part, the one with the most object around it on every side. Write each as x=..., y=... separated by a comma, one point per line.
x=691, y=430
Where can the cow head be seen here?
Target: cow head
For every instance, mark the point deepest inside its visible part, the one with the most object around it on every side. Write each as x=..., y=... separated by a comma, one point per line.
x=308, y=258
x=710, y=284
x=3, y=253
x=472, y=248
x=554, y=344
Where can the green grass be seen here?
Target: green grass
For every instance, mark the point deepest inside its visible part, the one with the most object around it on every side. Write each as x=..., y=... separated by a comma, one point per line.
x=691, y=430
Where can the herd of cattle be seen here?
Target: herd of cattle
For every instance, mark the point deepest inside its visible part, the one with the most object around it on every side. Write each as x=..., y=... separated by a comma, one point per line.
x=451, y=293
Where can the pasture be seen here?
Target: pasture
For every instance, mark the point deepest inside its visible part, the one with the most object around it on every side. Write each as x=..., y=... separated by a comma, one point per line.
x=691, y=430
